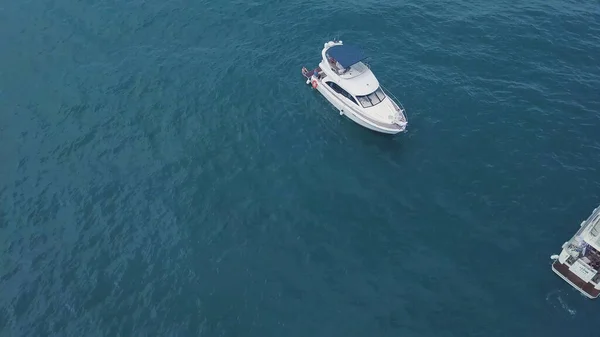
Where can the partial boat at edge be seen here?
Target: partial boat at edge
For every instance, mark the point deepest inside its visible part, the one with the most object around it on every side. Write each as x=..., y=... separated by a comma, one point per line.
x=579, y=261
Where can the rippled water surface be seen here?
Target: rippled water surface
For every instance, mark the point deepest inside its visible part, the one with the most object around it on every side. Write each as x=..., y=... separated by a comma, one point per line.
x=165, y=171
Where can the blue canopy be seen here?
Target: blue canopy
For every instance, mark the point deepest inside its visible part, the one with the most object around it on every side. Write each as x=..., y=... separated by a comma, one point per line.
x=346, y=55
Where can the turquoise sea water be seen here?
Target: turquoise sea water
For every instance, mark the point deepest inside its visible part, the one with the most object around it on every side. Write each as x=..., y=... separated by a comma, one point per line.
x=165, y=171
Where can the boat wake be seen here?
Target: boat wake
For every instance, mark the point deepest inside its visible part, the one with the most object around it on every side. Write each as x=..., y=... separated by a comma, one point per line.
x=557, y=301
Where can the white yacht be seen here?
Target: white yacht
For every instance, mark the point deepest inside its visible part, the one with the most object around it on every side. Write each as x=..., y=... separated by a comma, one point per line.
x=349, y=84
x=579, y=261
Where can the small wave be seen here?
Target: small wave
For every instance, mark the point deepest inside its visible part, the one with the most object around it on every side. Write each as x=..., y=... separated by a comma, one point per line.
x=557, y=301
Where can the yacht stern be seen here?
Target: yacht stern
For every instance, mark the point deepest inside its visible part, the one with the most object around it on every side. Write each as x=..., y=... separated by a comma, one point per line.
x=579, y=261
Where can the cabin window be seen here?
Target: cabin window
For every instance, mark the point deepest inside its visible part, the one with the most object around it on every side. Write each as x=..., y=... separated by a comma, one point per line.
x=341, y=91
x=371, y=99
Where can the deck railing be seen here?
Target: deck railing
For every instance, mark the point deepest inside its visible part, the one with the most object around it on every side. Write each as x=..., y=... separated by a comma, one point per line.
x=396, y=100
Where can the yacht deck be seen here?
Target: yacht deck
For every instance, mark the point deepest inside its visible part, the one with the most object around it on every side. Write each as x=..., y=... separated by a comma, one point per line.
x=585, y=287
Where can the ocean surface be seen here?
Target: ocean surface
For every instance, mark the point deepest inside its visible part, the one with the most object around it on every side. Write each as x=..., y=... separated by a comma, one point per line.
x=165, y=170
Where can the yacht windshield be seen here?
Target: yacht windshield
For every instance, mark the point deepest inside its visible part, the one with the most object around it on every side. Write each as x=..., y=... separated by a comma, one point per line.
x=371, y=99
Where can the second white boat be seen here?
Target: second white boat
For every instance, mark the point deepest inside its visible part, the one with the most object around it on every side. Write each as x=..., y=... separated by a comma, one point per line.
x=579, y=260
x=349, y=84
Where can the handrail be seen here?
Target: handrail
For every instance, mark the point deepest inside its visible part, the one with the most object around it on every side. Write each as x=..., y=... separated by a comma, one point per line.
x=395, y=99
x=402, y=118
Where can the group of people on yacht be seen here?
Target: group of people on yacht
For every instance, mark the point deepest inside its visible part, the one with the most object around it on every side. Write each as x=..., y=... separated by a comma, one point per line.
x=336, y=66
x=592, y=257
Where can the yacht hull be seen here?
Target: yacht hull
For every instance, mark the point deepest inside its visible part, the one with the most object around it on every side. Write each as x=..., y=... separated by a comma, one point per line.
x=353, y=114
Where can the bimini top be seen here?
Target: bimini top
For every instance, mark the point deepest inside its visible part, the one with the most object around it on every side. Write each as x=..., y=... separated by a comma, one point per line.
x=346, y=55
